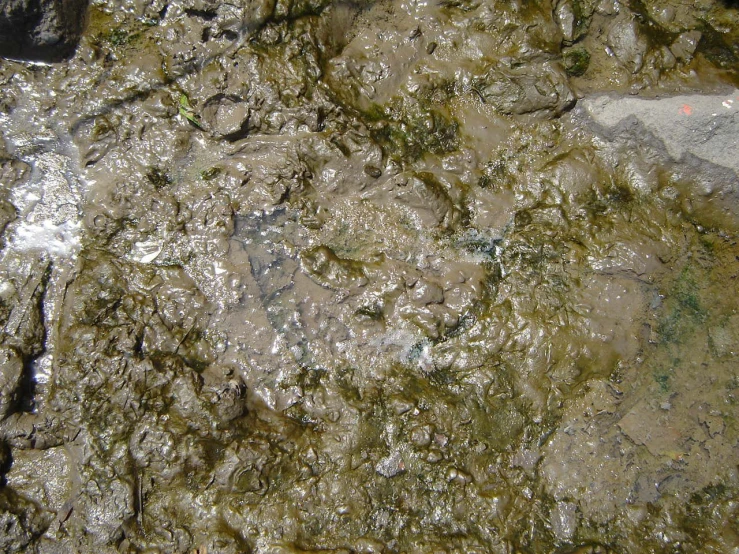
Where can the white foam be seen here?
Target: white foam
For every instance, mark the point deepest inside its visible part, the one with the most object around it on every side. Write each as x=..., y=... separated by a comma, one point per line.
x=61, y=240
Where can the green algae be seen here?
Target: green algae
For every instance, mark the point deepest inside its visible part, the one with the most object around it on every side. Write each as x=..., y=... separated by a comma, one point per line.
x=576, y=62
x=408, y=132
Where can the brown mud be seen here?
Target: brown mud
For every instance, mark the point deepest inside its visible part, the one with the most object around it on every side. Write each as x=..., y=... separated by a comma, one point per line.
x=302, y=276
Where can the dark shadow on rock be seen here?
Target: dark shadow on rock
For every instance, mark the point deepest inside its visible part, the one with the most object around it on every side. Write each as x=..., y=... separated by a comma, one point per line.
x=730, y=3
x=43, y=30
x=6, y=461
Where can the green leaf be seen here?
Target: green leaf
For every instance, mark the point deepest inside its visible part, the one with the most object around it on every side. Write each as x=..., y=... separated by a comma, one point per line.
x=192, y=118
x=185, y=102
x=187, y=112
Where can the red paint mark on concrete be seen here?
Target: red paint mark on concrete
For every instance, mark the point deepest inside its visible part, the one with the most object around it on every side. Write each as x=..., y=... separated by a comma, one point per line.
x=686, y=109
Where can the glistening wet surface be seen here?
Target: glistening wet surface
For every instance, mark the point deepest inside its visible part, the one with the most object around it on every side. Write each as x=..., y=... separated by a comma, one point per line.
x=389, y=277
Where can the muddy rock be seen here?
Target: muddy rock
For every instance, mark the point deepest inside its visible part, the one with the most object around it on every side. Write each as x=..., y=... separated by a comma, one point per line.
x=517, y=92
x=21, y=520
x=12, y=171
x=684, y=46
x=628, y=44
x=42, y=476
x=422, y=195
x=227, y=117
x=572, y=17
x=47, y=30
x=7, y=214
x=11, y=375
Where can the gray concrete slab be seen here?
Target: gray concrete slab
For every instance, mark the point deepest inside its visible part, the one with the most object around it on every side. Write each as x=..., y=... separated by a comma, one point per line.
x=704, y=126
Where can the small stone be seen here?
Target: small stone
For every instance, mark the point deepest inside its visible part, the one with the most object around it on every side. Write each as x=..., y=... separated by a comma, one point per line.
x=628, y=44
x=454, y=474
x=373, y=171
x=685, y=45
x=368, y=546
x=665, y=15
x=565, y=17
x=434, y=456
x=400, y=405
x=564, y=520
x=425, y=292
x=525, y=459
x=608, y=7
x=227, y=117
x=391, y=465
x=421, y=436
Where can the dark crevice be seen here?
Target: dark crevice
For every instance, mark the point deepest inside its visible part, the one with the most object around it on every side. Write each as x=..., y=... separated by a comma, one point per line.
x=6, y=462
x=229, y=35
x=208, y=15
x=714, y=46
x=243, y=132
x=217, y=98
x=26, y=392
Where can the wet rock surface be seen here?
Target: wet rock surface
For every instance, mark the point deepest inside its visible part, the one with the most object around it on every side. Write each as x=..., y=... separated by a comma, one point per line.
x=390, y=277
